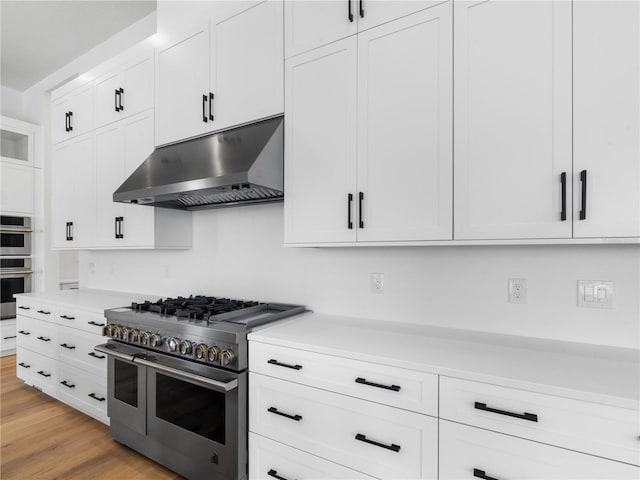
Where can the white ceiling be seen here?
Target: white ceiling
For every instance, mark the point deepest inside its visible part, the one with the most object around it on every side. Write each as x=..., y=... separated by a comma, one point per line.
x=39, y=37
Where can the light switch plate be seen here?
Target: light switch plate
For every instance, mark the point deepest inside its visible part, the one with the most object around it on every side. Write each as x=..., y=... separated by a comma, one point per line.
x=595, y=294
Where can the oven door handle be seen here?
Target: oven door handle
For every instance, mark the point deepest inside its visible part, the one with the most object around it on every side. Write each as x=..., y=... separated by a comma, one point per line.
x=205, y=381
x=15, y=229
x=111, y=351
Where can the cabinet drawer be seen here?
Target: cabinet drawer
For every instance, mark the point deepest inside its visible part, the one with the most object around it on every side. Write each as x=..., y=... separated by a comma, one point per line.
x=41, y=311
x=268, y=458
x=466, y=452
x=76, y=348
x=83, y=391
x=602, y=430
x=374, y=439
x=36, y=370
x=37, y=335
x=407, y=389
x=7, y=336
x=87, y=321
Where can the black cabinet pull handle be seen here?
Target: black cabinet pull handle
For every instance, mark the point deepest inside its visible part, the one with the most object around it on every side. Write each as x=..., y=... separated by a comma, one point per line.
x=583, y=181
x=350, y=14
x=70, y=124
x=68, y=385
x=96, y=323
x=44, y=312
x=120, y=92
x=211, y=97
x=532, y=417
x=363, y=438
x=273, y=473
x=68, y=347
x=205, y=119
x=66, y=121
x=24, y=333
x=24, y=308
x=24, y=365
x=395, y=388
x=115, y=100
x=44, y=339
x=9, y=337
x=563, y=183
x=69, y=231
x=66, y=317
x=293, y=367
x=361, y=9
x=481, y=474
x=93, y=354
x=95, y=397
x=349, y=203
x=297, y=418
x=360, y=200
x=118, y=227
x=41, y=372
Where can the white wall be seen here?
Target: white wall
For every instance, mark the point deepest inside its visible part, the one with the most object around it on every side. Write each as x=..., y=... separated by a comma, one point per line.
x=10, y=102
x=238, y=253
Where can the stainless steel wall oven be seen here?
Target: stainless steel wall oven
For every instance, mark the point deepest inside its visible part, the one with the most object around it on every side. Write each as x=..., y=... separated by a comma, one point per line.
x=15, y=235
x=15, y=277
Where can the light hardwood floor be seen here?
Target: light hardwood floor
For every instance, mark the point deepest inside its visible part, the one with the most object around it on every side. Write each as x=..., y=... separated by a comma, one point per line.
x=44, y=439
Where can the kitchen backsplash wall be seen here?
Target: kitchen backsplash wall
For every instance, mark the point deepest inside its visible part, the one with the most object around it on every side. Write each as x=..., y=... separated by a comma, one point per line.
x=238, y=253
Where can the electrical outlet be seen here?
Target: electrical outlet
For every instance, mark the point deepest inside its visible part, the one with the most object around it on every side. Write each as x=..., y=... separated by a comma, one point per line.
x=595, y=294
x=517, y=290
x=377, y=283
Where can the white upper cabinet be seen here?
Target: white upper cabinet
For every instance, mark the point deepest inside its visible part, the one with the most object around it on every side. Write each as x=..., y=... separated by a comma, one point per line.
x=182, y=87
x=404, y=128
x=512, y=119
x=320, y=144
x=311, y=24
x=125, y=90
x=72, y=113
x=606, y=125
x=247, y=65
x=225, y=72
x=16, y=190
x=368, y=135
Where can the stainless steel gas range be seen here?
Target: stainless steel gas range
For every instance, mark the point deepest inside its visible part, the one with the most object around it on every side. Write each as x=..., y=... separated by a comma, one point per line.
x=177, y=380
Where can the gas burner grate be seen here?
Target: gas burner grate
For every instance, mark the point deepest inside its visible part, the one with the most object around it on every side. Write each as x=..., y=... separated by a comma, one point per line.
x=198, y=307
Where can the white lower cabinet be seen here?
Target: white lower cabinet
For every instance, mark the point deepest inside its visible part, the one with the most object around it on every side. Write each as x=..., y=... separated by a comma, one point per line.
x=8, y=335
x=469, y=452
x=83, y=391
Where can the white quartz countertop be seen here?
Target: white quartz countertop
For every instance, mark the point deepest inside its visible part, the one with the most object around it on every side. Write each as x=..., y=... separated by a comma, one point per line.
x=585, y=372
x=86, y=299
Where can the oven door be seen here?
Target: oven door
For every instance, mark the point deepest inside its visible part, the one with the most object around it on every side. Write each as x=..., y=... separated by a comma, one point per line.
x=15, y=241
x=199, y=411
x=11, y=283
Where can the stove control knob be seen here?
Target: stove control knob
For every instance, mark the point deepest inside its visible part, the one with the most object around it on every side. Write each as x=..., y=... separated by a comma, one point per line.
x=144, y=338
x=134, y=335
x=114, y=331
x=155, y=340
x=185, y=347
x=213, y=354
x=173, y=344
x=227, y=357
x=124, y=333
x=201, y=351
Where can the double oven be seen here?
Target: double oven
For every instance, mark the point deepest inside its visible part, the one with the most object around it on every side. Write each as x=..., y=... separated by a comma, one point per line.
x=15, y=261
x=189, y=417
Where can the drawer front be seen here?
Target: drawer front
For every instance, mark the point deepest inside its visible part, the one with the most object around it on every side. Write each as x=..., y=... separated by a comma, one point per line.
x=268, y=458
x=8, y=335
x=374, y=439
x=37, y=370
x=37, y=335
x=76, y=348
x=83, y=391
x=87, y=321
x=407, y=389
x=606, y=431
x=467, y=450
x=41, y=311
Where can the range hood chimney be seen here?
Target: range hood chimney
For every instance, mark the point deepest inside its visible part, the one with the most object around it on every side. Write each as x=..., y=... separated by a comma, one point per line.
x=240, y=166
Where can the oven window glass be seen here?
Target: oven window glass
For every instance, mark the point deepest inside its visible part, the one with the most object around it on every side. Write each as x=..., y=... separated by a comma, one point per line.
x=11, y=286
x=126, y=383
x=12, y=239
x=192, y=407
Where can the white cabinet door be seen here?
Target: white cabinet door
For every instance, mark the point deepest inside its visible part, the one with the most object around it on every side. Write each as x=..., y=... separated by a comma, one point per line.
x=62, y=194
x=512, y=119
x=60, y=120
x=16, y=192
x=182, y=87
x=404, y=128
x=247, y=65
x=320, y=144
x=72, y=114
x=137, y=95
x=606, y=75
x=311, y=24
x=468, y=452
x=106, y=92
x=371, y=13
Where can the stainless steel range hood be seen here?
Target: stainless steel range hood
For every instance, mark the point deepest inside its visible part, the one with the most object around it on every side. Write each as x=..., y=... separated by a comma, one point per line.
x=239, y=166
